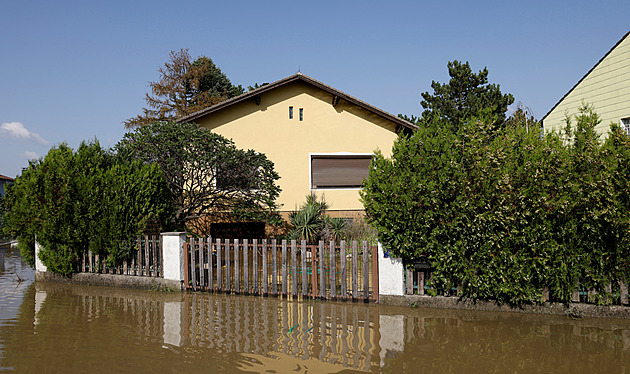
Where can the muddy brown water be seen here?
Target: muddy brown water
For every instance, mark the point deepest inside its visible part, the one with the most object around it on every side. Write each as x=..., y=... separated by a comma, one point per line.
x=52, y=327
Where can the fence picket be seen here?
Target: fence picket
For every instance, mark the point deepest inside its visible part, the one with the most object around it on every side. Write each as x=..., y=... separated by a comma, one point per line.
x=284, y=268
x=245, y=267
x=255, y=265
x=274, y=267
x=344, y=279
x=228, y=284
x=237, y=268
x=304, y=269
x=355, y=272
x=322, y=271
x=201, y=262
x=146, y=256
x=264, y=264
x=333, y=271
x=219, y=267
x=210, y=264
x=366, y=272
x=193, y=280
x=294, y=289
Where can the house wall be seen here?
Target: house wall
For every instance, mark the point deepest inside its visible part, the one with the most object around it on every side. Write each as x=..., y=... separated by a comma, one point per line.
x=266, y=128
x=606, y=87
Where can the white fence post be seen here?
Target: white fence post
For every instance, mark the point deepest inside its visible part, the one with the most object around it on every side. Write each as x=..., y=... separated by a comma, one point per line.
x=39, y=266
x=390, y=274
x=173, y=255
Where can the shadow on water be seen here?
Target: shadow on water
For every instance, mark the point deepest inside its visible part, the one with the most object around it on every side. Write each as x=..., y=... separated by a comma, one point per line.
x=69, y=328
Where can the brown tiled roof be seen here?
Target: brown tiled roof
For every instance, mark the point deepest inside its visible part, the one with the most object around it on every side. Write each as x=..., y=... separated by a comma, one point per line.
x=5, y=178
x=304, y=78
x=586, y=75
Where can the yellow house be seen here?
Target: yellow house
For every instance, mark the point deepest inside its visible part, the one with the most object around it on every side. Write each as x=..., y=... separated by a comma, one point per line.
x=606, y=86
x=320, y=139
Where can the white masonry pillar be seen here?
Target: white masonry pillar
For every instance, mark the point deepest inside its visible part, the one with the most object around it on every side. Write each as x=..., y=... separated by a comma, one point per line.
x=173, y=252
x=390, y=274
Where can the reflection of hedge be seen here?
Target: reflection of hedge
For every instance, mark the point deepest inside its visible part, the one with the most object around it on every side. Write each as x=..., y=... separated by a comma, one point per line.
x=505, y=215
x=88, y=199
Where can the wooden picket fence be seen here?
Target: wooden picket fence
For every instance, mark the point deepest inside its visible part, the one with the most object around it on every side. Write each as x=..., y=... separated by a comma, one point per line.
x=418, y=283
x=347, y=271
x=145, y=260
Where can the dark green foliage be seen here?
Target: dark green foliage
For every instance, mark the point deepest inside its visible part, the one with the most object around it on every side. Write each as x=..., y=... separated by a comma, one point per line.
x=465, y=96
x=206, y=174
x=505, y=214
x=71, y=202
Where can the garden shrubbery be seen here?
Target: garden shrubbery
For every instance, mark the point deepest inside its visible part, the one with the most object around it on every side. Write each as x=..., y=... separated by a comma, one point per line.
x=89, y=199
x=504, y=214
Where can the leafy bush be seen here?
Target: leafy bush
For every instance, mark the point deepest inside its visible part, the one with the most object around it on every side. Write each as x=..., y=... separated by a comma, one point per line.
x=71, y=202
x=506, y=214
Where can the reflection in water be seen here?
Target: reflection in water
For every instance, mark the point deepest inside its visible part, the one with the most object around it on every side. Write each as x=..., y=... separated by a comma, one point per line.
x=68, y=328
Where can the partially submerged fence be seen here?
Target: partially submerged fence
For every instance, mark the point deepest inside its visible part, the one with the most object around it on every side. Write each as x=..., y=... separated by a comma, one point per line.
x=419, y=283
x=146, y=259
x=348, y=271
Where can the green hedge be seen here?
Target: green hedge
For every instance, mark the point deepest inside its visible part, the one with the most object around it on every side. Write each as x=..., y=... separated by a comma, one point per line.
x=504, y=215
x=88, y=199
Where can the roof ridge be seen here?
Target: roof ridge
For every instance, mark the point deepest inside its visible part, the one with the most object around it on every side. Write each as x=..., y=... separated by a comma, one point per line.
x=305, y=78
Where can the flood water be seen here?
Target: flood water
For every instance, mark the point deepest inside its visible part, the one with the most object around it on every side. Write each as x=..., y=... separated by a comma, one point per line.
x=51, y=327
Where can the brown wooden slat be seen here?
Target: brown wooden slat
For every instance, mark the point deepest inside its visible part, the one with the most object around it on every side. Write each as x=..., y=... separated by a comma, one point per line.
x=228, y=284
x=255, y=266
x=161, y=262
x=139, y=257
x=303, y=250
x=274, y=267
x=333, y=271
x=155, y=255
x=193, y=265
x=202, y=262
x=344, y=276
x=284, y=268
x=294, y=278
x=355, y=272
x=146, y=256
x=210, y=264
x=265, y=274
x=409, y=281
x=322, y=272
x=219, y=266
x=314, y=271
x=186, y=268
x=623, y=290
x=375, y=284
x=237, y=267
x=366, y=272
x=245, y=267
x=91, y=261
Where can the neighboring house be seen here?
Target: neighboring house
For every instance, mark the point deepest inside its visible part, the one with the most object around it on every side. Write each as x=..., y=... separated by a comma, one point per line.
x=606, y=86
x=5, y=181
x=320, y=139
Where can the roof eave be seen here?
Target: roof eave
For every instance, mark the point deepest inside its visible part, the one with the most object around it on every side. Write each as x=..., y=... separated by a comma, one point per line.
x=292, y=78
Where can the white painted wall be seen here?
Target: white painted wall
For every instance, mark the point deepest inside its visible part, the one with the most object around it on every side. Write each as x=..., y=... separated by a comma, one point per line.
x=172, y=246
x=390, y=274
x=39, y=266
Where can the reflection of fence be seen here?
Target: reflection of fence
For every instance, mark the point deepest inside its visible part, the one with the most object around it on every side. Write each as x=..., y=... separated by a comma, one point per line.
x=419, y=283
x=341, y=334
x=145, y=259
x=262, y=267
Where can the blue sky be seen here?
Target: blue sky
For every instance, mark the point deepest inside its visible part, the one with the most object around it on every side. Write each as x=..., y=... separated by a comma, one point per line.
x=74, y=70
